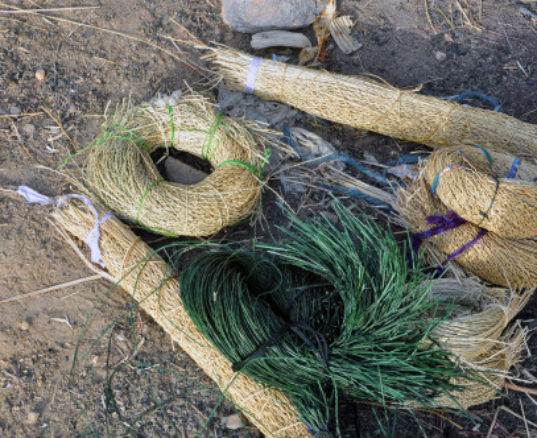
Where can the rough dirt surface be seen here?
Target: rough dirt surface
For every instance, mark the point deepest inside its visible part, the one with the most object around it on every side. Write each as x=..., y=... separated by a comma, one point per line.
x=43, y=392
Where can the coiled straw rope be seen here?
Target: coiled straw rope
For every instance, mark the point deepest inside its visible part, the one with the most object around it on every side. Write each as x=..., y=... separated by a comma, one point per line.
x=493, y=190
x=368, y=104
x=119, y=171
x=507, y=262
x=147, y=278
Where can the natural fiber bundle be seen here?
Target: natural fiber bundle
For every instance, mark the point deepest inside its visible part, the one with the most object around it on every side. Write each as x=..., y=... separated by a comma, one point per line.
x=495, y=365
x=121, y=175
x=378, y=107
x=479, y=329
x=150, y=281
x=492, y=190
x=506, y=262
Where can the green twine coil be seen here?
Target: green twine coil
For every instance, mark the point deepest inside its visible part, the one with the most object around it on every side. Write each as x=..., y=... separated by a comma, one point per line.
x=333, y=311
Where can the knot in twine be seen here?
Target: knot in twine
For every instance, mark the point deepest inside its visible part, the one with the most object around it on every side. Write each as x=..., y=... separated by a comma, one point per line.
x=92, y=239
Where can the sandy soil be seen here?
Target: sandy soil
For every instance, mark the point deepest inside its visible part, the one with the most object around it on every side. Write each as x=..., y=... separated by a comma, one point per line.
x=43, y=392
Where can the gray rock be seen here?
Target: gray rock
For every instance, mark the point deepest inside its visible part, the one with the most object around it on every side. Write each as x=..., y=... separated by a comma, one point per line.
x=182, y=173
x=15, y=110
x=251, y=16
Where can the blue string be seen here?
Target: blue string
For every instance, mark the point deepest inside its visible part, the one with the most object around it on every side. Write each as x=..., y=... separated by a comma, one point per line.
x=355, y=193
x=459, y=98
x=379, y=178
x=514, y=168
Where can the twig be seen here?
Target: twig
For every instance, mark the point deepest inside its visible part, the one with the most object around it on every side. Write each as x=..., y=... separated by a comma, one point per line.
x=514, y=414
x=14, y=116
x=33, y=11
x=428, y=15
x=514, y=387
x=59, y=124
x=50, y=289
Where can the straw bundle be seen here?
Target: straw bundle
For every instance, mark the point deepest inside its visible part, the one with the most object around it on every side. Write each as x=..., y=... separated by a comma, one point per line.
x=151, y=282
x=493, y=190
x=479, y=337
x=121, y=175
x=374, y=106
x=507, y=262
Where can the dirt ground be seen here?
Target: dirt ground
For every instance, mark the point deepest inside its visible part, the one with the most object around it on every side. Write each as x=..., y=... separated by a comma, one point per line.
x=489, y=47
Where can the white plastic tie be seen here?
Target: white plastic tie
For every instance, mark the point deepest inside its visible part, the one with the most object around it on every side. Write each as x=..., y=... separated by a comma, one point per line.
x=92, y=239
x=252, y=73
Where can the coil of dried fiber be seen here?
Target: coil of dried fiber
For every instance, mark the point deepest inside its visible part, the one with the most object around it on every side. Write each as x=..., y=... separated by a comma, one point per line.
x=502, y=261
x=119, y=171
x=368, y=104
x=493, y=190
x=147, y=278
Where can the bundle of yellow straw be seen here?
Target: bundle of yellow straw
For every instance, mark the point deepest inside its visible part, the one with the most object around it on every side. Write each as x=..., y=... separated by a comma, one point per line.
x=374, y=106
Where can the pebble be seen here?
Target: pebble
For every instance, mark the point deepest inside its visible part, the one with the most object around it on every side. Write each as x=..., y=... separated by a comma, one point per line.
x=232, y=422
x=40, y=74
x=440, y=56
x=15, y=110
x=28, y=129
x=252, y=16
x=32, y=418
x=24, y=326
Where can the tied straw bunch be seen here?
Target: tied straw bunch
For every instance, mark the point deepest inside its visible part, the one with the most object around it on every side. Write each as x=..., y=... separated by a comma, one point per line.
x=372, y=105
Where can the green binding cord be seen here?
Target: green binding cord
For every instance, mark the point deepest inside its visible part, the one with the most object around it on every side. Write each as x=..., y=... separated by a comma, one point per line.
x=151, y=186
x=108, y=133
x=172, y=129
x=257, y=171
x=206, y=148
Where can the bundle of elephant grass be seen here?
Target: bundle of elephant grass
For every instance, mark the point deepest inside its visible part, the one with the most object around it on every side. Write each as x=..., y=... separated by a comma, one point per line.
x=121, y=175
x=369, y=104
x=150, y=281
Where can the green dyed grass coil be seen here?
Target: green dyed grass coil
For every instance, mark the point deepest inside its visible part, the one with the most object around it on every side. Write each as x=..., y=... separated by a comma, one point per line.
x=334, y=311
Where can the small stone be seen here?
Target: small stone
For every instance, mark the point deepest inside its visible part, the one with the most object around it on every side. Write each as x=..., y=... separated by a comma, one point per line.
x=15, y=110
x=40, y=74
x=440, y=56
x=24, y=326
x=232, y=422
x=32, y=418
x=28, y=129
x=252, y=16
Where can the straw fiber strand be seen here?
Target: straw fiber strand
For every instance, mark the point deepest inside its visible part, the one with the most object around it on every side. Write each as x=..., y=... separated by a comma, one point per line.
x=119, y=172
x=371, y=105
x=150, y=281
x=481, y=193
x=506, y=262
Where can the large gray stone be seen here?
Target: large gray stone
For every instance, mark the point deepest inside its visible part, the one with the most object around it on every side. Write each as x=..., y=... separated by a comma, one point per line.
x=251, y=16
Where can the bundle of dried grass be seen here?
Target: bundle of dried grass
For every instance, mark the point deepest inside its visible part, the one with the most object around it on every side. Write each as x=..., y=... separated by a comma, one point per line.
x=368, y=104
x=492, y=190
x=507, y=262
x=481, y=337
x=150, y=281
x=119, y=171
